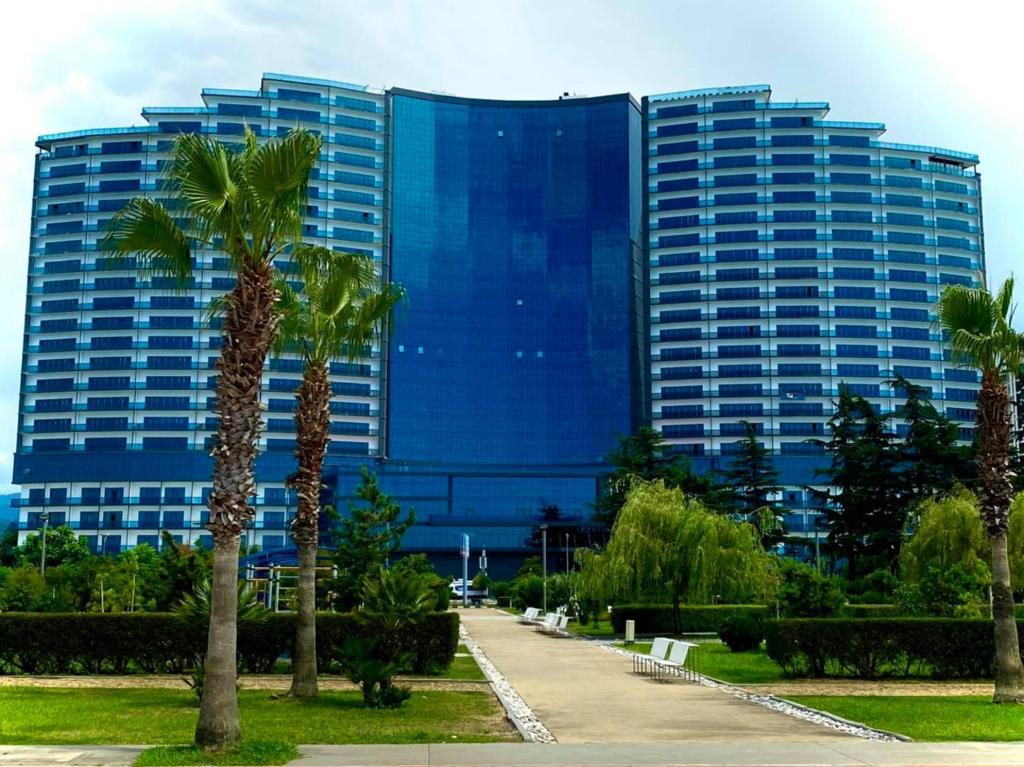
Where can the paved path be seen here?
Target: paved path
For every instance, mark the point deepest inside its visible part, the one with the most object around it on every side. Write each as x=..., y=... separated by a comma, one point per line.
x=586, y=694
x=835, y=753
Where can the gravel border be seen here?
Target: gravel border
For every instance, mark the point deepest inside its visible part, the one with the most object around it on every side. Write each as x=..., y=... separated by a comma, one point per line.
x=787, y=707
x=526, y=722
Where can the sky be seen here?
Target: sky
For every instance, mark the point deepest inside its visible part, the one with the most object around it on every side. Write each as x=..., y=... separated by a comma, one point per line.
x=935, y=72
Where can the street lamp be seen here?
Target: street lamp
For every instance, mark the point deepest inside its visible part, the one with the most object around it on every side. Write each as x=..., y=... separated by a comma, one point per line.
x=44, y=516
x=544, y=563
x=567, y=553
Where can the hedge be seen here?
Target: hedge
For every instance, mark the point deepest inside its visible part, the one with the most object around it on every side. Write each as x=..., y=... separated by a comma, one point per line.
x=657, y=619
x=869, y=648
x=87, y=643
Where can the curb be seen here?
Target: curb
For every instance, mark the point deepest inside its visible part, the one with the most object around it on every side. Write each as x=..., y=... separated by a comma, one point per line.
x=531, y=729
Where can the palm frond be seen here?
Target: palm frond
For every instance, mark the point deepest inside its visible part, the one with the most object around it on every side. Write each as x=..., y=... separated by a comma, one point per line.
x=277, y=177
x=978, y=327
x=203, y=172
x=146, y=231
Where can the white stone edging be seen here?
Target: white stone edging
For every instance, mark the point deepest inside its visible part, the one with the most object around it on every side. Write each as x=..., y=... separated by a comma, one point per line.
x=526, y=722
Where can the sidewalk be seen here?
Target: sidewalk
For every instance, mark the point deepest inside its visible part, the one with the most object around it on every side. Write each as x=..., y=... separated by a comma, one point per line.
x=585, y=694
x=846, y=753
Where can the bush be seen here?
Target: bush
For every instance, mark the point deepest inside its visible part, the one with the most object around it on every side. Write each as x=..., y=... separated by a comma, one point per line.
x=696, y=619
x=942, y=648
x=871, y=611
x=90, y=643
x=805, y=592
x=741, y=633
x=528, y=591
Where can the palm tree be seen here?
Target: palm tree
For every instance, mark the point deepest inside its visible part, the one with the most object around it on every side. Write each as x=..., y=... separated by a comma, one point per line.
x=981, y=335
x=249, y=203
x=341, y=309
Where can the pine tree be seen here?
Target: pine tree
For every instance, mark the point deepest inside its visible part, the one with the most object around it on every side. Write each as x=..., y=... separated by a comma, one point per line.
x=366, y=539
x=749, y=480
x=933, y=462
x=645, y=455
x=864, y=502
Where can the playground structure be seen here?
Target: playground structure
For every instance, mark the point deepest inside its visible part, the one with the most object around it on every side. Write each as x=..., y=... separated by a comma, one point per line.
x=275, y=585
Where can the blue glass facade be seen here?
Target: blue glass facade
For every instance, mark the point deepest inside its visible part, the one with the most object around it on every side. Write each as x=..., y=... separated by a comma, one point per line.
x=575, y=268
x=514, y=232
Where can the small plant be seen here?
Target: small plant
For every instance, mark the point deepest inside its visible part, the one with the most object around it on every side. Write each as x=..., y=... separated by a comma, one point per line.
x=374, y=675
x=741, y=633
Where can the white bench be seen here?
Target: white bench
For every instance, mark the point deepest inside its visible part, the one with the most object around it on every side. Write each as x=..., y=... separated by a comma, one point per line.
x=530, y=615
x=675, y=662
x=659, y=651
x=558, y=627
x=550, y=619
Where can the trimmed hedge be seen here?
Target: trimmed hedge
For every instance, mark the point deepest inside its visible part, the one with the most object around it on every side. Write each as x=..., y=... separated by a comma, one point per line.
x=869, y=648
x=119, y=643
x=657, y=619
x=871, y=611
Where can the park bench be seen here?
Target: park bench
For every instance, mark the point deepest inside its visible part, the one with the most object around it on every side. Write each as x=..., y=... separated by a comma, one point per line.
x=558, y=627
x=550, y=619
x=659, y=651
x=675, y=662
x=530, y=615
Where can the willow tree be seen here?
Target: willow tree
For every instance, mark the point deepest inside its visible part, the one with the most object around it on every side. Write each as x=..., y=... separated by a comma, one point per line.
x=249, y=203
x=341, y=309
x=979, y=328
x=666, y=546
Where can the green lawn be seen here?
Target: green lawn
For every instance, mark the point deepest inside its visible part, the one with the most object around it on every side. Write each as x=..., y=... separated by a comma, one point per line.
x=66, y=716
x=717, y=661
x=926, y=717
x=603, y=629
x=248, y=752
x=461, y=668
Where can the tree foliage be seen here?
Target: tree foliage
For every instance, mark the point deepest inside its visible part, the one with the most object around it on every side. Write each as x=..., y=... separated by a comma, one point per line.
x=645, y=456
x=365, y=539
x=863, y=501
x=666, y=546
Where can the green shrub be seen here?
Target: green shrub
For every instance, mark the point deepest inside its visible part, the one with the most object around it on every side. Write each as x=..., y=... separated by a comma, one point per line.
x=91, y=643
x=528, y=591
x=871, y=611
x=806, y=592
x=942, y=648
x=741, y=633
x=696, y=619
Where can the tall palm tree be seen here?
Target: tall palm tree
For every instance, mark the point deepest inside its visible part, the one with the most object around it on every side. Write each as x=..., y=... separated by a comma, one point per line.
x=340, y=310
x=981, y=335
x=248, y=202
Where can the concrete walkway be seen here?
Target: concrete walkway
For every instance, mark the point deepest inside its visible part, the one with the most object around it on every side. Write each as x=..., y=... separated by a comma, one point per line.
x=835, y=753
x=585, y=694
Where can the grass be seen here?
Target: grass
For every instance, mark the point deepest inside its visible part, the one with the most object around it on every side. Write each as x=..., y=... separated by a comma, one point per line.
x=70, y=716
x=604, y=629
x=716, y=660
x=954, y=717
x=250, y=752
x=461, y=668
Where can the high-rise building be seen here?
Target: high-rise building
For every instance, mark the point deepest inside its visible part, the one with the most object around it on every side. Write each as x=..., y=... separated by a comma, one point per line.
x=780, y=253
x=790, y=253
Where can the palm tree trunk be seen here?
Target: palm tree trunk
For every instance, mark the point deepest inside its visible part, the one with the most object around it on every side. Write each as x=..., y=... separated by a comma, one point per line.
x=219, y=725
x=995, y=494
x=312, y=427
x=250, y=326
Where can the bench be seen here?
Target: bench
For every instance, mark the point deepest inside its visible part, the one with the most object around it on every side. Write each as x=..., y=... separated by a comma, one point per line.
x=659, y=651
x=529, y=615
x=675, y=662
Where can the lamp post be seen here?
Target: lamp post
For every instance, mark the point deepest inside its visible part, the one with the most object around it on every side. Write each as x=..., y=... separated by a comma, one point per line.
x=567, y=553
x=544, y=563
x=45, y=518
